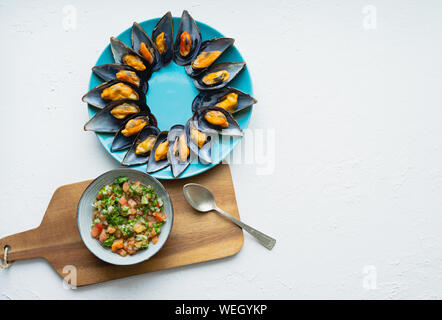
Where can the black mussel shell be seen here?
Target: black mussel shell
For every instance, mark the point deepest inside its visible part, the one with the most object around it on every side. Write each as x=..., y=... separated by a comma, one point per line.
x=216, y=44
x=133, y=159
x=122, y=142
x=152, y=165
x=120, y=49
x=187, y=24
x=205, y=152
x=165, y=24
x=211, y=98
x=203, y=125
x=93, y=97
x=233, y=68
x=177, y=166
x=108, y=72
x=138, y=36
x=153, y=119
x=103, y=121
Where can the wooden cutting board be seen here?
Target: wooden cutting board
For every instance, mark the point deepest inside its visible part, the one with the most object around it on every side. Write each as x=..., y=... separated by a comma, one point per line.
x=195, y=237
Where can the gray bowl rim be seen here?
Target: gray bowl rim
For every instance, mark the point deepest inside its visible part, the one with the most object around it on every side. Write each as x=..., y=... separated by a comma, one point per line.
x=125, y=170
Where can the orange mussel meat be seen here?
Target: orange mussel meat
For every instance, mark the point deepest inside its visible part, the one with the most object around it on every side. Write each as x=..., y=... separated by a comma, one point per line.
x=185, y=44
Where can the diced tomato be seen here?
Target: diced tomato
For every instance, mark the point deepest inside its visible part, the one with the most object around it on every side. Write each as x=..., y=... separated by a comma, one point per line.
x=132, y=203
x=113, y=196
x=96, y=230
x=158, y=204
x=122, y=252
x=111, y=230
x=126, y=186
x=155, y=239
x=138, y=227
x=103, y=236
x=99, y=196
x=118, y=244
x=131, y=250
x=159, y=215
x=122, y=201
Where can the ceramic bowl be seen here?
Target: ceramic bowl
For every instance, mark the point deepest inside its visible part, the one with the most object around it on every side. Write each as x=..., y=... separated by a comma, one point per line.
x=85, y=211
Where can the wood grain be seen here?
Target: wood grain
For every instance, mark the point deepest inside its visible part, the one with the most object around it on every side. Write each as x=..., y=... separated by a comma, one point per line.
x=195, y=237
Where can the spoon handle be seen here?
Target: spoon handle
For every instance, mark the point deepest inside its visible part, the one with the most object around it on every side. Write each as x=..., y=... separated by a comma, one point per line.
x=264, y=239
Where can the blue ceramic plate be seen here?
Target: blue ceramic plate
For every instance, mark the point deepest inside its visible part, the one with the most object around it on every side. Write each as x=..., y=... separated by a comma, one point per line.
x=170, y=95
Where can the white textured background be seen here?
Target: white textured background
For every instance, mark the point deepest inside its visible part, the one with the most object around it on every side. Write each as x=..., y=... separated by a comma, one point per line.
x=357, y=114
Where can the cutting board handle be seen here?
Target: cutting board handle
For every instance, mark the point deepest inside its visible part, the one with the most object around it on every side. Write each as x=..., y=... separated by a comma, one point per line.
x=23, y=245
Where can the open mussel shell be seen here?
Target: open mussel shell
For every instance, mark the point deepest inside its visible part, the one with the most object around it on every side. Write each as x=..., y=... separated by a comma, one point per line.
x=209, y=52
x=95, y=96
x=109, y=72
x=212, y=98
x=152, y=164
x=232, y=68
x=140, y=37
x=232, y=128
x=203, y=151
x=179, y=154
x=132, y=157
x=122, y=141
x=121, y=52
x=188, y=40
x=109, y=119
x=164, y=30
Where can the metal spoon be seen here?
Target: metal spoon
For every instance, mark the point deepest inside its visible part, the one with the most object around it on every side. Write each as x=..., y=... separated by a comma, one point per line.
x=201, y=199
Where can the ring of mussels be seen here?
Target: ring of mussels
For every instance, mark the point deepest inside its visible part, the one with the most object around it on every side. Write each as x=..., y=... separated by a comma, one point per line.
x=121, y=99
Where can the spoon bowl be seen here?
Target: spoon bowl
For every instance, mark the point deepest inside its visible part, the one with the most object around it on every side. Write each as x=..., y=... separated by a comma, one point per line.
x=199, y=197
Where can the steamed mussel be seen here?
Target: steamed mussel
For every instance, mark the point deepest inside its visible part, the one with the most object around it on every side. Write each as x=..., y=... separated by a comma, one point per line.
x=109, y=72
x=209, y=52
x=110, y=119
x=188, y=40
x=200, y=143
x=179, y=155
x=142, y=146
x=162, y=36
x=142, y=44
x=123, y=54
x=231, y=99
x=218, y=75
x=129, y=130
x=158, y=156
x=113, y=90
x=213, y=120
